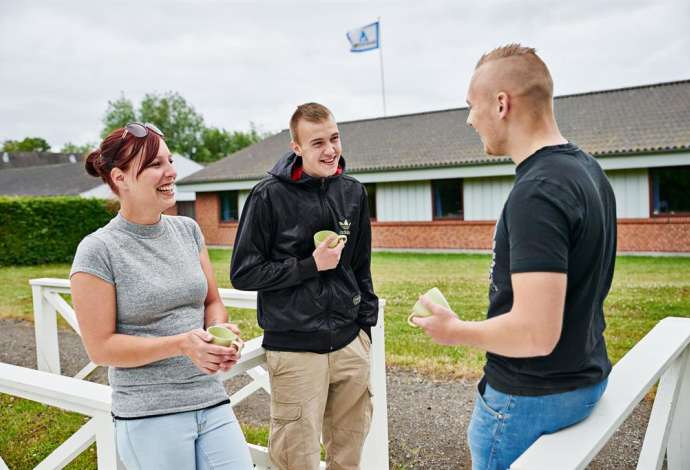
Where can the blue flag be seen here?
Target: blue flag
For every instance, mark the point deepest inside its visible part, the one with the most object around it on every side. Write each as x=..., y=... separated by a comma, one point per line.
x=365, y=38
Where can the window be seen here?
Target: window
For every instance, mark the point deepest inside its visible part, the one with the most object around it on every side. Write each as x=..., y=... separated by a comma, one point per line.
x=371, y=195
x=228, y=206
x=670, y=195
x=447, y=201
x=186, y=208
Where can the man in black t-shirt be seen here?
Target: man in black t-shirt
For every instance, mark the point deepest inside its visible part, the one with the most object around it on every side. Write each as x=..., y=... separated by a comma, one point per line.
x=553, y=261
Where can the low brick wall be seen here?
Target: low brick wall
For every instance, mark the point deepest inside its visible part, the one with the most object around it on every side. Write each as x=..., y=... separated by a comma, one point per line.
x=658, y=234
x=474, y=235
x=669, y=234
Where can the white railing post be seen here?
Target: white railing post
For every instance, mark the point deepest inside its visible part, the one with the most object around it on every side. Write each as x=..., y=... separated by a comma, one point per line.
x=678, y=449
x=663, y=414
x=70, y=394
x=45, y=325
x=375, y=452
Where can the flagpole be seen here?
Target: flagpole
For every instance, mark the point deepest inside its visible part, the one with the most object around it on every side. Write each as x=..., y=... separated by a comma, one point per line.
x=383, y=88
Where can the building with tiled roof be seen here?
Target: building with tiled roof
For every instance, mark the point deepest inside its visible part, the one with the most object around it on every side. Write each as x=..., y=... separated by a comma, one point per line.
x=44, y=174
x=432, y=186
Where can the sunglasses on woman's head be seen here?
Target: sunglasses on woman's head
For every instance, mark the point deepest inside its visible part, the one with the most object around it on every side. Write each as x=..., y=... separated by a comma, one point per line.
x=139, y=130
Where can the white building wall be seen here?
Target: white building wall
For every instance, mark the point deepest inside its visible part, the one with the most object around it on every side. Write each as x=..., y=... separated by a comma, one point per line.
x=241, y=199
x=408, y=201
x=483, y=198
x=631, y=188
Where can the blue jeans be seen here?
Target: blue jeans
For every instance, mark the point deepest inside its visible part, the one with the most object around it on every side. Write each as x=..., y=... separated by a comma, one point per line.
x=503, y=426
x=204, y=439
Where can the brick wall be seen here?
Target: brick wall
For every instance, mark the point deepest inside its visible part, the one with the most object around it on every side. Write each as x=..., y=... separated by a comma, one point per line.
x=438, y=234
x=667, y=234
x=655, y=234
x=207, y=210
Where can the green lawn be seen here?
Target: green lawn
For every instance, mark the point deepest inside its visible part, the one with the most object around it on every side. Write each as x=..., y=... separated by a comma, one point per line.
x=645, y=290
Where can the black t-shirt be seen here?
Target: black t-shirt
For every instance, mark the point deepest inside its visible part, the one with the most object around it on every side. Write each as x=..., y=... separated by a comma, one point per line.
x=560, y=217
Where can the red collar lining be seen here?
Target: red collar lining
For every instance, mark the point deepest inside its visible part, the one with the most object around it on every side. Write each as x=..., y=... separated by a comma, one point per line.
x=298, y=171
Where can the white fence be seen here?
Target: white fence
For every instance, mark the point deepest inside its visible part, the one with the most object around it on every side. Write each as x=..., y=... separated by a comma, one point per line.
x=662, y=354
x=91, y=399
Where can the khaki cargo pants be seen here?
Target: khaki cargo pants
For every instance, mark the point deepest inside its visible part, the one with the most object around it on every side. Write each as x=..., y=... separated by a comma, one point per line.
x=311, y=393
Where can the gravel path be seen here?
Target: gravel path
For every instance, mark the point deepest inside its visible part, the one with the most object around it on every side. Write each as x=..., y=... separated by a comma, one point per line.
x=427, y=420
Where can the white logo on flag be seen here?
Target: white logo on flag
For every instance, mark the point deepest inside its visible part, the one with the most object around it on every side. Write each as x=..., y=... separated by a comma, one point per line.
x=365, y=38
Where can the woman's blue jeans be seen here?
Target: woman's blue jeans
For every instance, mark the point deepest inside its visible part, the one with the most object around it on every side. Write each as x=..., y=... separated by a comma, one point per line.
x=204, y=439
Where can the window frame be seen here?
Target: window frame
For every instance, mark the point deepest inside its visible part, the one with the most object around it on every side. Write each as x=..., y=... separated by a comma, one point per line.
x=650, y=186
x=220, y=207
x=434, y=182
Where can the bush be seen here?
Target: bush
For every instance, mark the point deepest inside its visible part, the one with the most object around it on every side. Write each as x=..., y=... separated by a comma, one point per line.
x=36, y=230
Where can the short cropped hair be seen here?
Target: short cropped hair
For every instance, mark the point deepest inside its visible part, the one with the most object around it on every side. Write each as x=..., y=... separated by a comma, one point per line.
x=527, y=68
x=311, y=112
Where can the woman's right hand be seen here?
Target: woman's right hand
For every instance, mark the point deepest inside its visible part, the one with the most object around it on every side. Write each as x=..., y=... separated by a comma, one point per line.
x=206, y=356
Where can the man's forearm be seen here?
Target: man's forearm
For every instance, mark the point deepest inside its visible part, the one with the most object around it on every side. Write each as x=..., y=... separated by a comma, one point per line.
x=506, y=335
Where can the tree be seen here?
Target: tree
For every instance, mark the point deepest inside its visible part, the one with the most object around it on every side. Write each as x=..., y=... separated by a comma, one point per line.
x=219, y=143
x=29, y=144
x=184, y=128
x=119, y=113
x=181, y=124
x=83, y=149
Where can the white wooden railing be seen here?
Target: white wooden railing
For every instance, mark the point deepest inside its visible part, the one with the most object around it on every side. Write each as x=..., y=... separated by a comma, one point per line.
x=70, y=394
x=663, y=356
x=91, y=399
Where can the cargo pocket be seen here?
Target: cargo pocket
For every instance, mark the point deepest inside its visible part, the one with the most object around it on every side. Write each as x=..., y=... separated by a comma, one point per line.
x=285, y=439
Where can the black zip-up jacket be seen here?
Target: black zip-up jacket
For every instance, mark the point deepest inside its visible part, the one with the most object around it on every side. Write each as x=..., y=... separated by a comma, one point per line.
x=300, y=308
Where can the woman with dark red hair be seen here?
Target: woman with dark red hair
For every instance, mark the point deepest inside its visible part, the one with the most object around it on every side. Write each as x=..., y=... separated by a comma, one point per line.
x=144, y=291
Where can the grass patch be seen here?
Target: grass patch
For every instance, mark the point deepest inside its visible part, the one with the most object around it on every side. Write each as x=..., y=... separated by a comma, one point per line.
x=645, y=290
x=15, y=291
x=31, y=431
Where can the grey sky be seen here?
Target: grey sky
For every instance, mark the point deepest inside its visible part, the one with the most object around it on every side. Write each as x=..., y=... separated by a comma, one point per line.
x=236, y=62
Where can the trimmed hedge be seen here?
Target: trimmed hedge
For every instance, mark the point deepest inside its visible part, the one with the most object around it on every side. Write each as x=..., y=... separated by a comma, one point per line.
x=35, y=230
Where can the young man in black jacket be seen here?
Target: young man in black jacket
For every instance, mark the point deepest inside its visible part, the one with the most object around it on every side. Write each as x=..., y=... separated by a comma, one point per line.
x=316, y=304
